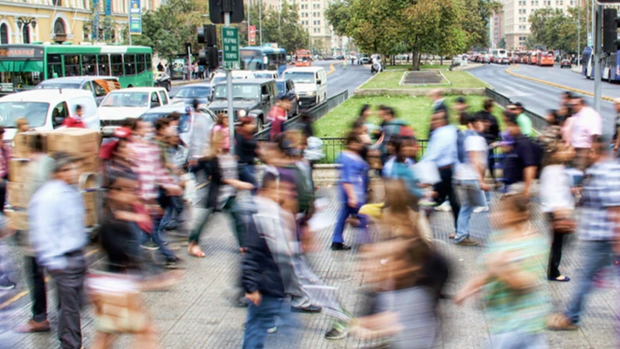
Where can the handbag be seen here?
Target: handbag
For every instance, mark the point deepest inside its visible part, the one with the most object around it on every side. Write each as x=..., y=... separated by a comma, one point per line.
x=563, y=223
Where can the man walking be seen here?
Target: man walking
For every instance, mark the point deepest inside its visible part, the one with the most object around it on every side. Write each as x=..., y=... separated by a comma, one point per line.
x=56, y=219
x=524, y=121
x=442, y=150
x=587, y=127
x=439, y=103
x=522, y=161
x=598, y=229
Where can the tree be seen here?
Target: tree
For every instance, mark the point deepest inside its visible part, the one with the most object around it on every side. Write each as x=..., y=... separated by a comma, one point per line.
x=170, y=26
x=279, y=25
x=502, y=43
x=338, y=14
x=557, y=30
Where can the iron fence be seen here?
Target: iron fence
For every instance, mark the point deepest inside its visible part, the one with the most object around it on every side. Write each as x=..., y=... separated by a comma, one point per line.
x=333, y=146
x=316, y=112
x=538, y=122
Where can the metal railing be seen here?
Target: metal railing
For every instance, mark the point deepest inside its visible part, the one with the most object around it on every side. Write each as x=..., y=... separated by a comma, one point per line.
x=333, y=146
x=316, y=112
x=538, y=122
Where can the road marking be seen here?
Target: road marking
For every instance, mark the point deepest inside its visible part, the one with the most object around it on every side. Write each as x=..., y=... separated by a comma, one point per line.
x=509, y=71
x=332, y=69
x=47, y=279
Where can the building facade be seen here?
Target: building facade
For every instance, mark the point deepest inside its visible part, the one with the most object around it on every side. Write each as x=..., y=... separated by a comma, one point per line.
x=516, y=14
x=66, y=21
x=496, y=30
x=312, y=18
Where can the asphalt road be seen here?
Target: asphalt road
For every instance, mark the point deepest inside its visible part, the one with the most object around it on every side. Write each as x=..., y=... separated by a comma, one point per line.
x=539, y=97
x=340, y=80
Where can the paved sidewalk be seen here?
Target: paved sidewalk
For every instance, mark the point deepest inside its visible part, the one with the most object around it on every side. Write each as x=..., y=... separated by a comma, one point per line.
x=198, y=314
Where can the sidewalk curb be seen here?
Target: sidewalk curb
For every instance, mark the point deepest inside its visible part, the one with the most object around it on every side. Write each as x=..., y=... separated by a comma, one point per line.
x=509, y=71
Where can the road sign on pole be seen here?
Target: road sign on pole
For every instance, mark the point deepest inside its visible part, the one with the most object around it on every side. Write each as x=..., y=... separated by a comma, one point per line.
x=252, y=35
x=230, y=48
x=135, y=18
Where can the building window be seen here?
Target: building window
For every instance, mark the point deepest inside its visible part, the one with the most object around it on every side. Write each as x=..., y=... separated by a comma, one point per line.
x=60, y=34
x=4, y=33
x=25, y=34
x=57, y=2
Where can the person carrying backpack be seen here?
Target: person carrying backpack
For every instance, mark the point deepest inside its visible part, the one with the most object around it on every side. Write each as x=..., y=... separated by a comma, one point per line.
x=523, y=162
x=391, y=126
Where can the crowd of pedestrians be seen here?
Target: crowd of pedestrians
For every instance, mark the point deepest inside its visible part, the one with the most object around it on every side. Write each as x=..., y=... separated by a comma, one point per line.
x=388, y=190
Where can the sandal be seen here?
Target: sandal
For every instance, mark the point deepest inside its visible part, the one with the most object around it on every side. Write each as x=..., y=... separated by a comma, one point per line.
x=559, y=322
x=560, y=278
x=195, y=251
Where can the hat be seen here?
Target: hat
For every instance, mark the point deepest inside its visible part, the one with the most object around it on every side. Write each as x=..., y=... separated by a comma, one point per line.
x=122, y=132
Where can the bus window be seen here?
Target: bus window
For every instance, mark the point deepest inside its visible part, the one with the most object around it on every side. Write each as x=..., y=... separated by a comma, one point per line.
x=54, y=66
x=140, y=63
x=72, y=65
x=103, y=65
x=149, y=64
x=130, y=64
x=89, y=65
x=117, y=65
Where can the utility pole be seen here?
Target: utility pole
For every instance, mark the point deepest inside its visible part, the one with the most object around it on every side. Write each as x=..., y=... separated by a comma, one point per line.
x=249, y=16
x=260, y=21
x=229, y=89
x=597, y=31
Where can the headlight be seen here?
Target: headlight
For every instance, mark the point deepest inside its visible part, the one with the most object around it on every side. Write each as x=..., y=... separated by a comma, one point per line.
x=242, y=113
x=312, y=93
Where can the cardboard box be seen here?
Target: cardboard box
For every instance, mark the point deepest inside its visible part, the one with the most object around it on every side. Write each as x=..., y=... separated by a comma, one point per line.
x=17, y=220
x=18, y=170
x=90, y=204
x=80, y=142
x=24, y=143
x=91, y=218
x=89, y=165
x=18, y=196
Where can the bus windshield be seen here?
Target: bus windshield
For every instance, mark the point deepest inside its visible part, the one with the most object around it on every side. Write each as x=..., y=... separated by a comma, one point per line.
x=251, y=60
x=300, y=77
x=250, y=92
x=126, y=99
x=34, y=112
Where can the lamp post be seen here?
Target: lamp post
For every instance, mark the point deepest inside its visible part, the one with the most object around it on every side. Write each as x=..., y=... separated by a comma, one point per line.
x=26, y=21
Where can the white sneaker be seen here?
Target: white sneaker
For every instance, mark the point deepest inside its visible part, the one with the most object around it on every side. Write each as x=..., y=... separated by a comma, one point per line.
x=445, y=207
x=481, y=209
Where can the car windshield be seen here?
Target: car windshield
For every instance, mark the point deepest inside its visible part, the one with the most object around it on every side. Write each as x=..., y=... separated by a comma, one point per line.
x=281, y=86
x=184, y=121
x=263, y=75
x=194, y=92
x=53, y=85
x=300, y=77
x=217, y=79
x=34, y=112
x=244, y=91
x=126, y=99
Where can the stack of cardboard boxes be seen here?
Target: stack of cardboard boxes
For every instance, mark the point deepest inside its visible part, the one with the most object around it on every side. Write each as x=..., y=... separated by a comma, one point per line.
x=81, y=143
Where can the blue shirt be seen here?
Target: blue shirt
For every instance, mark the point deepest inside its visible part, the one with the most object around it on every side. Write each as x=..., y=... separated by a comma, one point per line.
x=442, y=149
x=56, y=222
x=354, y=170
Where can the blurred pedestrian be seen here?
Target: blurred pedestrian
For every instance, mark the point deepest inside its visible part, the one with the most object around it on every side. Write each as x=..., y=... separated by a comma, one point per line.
x=390, y=127
x=523, y=161
x=221, y=131
x=39, y=170
x=587, y=126
x=597, y=227
x=56, y=214
x=439, y=103
x=22, y=125
x=524, y=121
x=461, y=109
x=199, y=142
x=245, y=148
x=616, y=139
x=491, y=134
x=75, y=120
x=278, y=115
x=5, y=156
x=352, y=188
x=471, y=179
x=442, y=151
x=400, y=165
x=516, y=301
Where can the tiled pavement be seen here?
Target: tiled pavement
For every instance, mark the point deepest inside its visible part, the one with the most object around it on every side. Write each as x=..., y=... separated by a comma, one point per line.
x=197, y=313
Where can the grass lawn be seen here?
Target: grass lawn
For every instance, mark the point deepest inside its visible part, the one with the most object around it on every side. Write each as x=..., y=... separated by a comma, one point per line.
x=422, y=67
x=391, y=80
x=415, y=110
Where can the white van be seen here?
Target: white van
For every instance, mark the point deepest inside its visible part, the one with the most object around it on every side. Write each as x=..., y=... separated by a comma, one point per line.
x=46, y=109
x=310, y=84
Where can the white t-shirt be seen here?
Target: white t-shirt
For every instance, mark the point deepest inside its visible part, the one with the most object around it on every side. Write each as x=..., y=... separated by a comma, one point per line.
x=473, y=143
x=555, y=189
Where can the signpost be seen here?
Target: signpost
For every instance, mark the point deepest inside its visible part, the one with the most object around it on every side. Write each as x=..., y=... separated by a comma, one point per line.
x=252, y=39
x=135, y=18
x=230, y=48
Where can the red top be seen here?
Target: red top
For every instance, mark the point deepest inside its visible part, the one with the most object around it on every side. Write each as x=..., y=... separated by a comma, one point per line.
x=277, y=116
x=73, y=122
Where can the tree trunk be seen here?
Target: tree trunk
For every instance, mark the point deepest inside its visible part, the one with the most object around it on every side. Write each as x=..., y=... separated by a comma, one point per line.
x=440, y=60
x=415, y=60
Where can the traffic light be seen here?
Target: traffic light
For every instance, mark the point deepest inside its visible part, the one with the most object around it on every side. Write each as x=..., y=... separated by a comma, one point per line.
x=610, y=30
x=218, y=7
x=207, y=35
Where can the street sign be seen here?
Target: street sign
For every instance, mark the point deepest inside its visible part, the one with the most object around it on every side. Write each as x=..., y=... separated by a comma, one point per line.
x=590, y=43
x=135, y=18
x=230, y=51
x=252, y=35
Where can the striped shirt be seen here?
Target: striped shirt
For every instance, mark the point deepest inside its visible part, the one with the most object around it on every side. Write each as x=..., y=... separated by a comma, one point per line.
x=149, y=168
x=601, y=191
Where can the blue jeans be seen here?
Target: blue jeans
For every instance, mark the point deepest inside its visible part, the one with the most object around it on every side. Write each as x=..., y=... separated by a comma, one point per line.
x=169, y=255
x=471, y=197
x=517, y=339
x=262, y=317
x=345, y=212
x=173, y=205
x=596, y=256
x=248, y=175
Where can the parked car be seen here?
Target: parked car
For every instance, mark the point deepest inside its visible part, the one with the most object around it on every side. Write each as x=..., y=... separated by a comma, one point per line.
x=565, y=63
x=365, y=60
x=286, y=88
x=200, y=91
x=310, y=84
x=186, y=121
x=504, y=60
x=129, y=103
x=266, y=74
x=46, y=109
x=251, y=97
x=161, y=79
x=99, y=86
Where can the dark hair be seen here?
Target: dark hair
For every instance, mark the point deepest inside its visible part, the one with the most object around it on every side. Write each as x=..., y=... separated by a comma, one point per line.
x=365, y=108
x=174, y=116
x=195, y=104
x=61, y=160
x=162, y=123
x=78, y=108
x=398, y=142
x=306, y=117
x=487, y=104
x=511, y=117
x=461, y=100
x=388, y=110
x=352, y=137
x=473, y=118
x=269, y=179
x=130, y=123
x=1, y=130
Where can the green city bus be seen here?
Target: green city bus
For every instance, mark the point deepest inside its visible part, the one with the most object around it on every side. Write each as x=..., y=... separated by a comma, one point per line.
x=23, y=66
